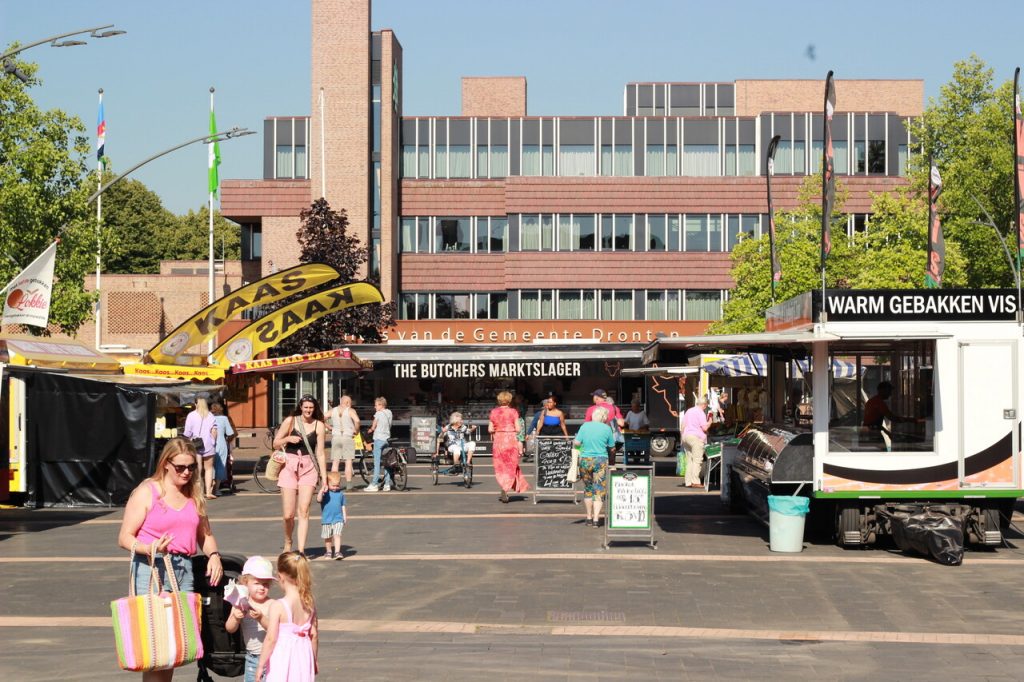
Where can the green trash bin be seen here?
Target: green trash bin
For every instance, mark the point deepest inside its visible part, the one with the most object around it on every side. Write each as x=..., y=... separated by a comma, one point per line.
x=786, y=516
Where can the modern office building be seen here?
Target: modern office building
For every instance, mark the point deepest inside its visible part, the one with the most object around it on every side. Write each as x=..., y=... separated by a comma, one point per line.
x=496, y=226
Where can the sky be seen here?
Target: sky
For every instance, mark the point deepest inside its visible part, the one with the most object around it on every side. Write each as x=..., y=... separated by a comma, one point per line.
x=575, y=54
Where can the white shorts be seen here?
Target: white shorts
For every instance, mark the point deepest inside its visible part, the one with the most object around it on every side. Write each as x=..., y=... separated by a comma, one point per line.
x=470, y=448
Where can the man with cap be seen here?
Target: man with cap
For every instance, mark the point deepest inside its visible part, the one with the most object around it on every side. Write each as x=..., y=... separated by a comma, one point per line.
x=615, y=418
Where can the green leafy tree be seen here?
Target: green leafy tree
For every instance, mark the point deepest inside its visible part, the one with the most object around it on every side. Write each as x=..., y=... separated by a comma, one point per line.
x=42, y=164
x=136, y=228
x=798, y=241
x=188, y=237
x=324, y=238
x=968, y=131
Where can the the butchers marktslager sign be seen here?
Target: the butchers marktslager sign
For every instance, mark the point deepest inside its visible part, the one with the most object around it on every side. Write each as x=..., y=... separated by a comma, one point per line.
x=485, y=370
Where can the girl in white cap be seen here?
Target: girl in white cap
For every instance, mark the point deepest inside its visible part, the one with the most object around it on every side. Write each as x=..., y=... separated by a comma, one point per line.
x=253, y=612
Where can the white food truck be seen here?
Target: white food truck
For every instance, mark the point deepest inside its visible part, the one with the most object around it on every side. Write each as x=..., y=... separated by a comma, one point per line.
x=927, y=418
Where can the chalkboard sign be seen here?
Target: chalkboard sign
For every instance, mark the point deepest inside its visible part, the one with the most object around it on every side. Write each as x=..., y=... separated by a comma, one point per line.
x=423, y=433
x=554, y=456
x=630, y=505
x=629, y=500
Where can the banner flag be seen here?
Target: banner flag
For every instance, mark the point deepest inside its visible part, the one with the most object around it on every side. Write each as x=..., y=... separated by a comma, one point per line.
x=272, y=288
x=101, y=134
x=776, y=265
x=213, y=157
x=270, y=330
x=27, y=296
x=936, y=264
x=1018, y=155
x=828, y=175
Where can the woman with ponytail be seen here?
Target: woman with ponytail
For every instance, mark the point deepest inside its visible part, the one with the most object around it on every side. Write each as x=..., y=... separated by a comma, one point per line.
x=290, y=648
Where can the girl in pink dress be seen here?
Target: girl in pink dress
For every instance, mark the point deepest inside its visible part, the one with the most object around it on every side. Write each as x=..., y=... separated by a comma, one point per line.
x=507, y=448
x=290, y=647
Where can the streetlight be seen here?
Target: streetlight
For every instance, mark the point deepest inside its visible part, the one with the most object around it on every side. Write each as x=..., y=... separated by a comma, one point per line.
x=205, y=139
x=10, y=67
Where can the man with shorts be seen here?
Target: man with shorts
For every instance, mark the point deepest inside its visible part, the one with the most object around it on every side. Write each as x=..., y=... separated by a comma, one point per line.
x=344, y=427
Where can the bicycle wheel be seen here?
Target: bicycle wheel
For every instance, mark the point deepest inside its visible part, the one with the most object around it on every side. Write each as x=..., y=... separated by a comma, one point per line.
x=366, y=466
x=467, y=475
x=399, y=476
x=433, y=468
x=259, y=476
x=268, y=439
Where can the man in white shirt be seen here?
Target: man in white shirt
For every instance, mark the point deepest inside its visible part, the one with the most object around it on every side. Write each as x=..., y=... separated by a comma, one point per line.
x=636, y=418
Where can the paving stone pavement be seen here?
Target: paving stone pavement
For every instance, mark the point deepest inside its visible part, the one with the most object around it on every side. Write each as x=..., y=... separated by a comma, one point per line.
x=447, y=583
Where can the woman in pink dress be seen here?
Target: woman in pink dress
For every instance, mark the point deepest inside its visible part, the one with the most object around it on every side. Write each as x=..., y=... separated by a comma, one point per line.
x=507, y=448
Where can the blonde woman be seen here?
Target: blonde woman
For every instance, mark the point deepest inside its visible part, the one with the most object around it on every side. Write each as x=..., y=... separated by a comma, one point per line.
x=166, y=515
x=503, y=427
x=199, y=427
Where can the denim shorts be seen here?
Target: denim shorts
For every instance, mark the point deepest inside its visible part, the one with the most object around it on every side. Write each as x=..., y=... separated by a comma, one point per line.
x=251, y=661
x=181, y=564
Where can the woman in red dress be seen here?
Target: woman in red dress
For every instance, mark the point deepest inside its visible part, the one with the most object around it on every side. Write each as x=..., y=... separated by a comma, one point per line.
x=507, y=448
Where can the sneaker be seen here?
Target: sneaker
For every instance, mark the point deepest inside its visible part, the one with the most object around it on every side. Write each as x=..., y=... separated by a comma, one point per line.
x=371, y=489
x=387, y=488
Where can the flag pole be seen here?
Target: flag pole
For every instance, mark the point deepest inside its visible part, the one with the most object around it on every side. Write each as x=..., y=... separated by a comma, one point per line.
x=101, y=134
x=211, y=298
x=1018, y=181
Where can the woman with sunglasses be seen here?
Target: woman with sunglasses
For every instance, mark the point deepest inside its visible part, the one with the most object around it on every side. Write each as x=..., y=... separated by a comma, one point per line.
x=166, y=515
x=301, y=436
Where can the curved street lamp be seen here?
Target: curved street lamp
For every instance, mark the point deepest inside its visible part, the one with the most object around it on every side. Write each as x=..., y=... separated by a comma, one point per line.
x=10, y=67
x=205, y=139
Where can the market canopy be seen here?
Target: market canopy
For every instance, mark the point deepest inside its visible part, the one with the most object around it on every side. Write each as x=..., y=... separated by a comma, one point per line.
x=756, y=364
x=52, y=354
x=338, y=360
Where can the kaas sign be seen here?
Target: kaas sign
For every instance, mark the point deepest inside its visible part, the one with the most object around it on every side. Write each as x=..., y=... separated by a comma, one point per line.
x=274, y=328
x=204, y=324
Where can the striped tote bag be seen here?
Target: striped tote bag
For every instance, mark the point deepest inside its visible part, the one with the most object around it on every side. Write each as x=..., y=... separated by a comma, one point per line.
x=157, y=631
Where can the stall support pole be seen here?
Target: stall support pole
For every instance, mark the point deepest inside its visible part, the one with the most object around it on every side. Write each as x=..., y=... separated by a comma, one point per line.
x=820, y=404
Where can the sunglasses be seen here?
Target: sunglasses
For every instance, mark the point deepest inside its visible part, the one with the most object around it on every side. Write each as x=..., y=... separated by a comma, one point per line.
x=182, y=468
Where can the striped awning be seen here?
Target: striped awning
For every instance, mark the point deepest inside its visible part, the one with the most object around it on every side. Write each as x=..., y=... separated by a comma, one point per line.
x=756, y=365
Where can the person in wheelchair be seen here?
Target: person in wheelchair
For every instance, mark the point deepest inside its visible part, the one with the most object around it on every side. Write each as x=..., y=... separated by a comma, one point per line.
x=455, y=440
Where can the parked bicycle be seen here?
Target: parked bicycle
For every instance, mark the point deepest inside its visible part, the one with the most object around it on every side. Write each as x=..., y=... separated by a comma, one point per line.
x=393, y=458
x=259, y=476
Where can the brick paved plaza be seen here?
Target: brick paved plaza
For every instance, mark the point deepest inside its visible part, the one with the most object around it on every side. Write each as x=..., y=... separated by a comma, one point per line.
x=447, y=583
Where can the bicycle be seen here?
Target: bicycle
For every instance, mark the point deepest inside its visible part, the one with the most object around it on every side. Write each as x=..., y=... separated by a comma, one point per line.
x=259, y=476
x=464, y=467
x=392, y=458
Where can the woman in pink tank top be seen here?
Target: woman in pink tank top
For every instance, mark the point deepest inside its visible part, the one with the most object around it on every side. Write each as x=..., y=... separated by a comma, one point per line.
x=166, y=515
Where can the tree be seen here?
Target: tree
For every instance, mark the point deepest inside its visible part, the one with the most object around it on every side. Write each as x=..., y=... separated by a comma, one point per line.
x=42, y=164
x=136, y=228
x=188, y=237
x=891, y=254
x=324, y=238
x=969, y=133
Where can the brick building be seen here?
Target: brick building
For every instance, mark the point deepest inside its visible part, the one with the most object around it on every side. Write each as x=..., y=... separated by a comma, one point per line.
x=617, y=227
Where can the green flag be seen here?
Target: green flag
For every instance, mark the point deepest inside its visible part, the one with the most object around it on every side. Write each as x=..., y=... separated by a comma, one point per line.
x=214, y=156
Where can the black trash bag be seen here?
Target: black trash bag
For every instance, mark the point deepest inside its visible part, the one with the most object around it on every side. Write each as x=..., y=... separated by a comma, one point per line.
x=937, y=535
x=223, y=651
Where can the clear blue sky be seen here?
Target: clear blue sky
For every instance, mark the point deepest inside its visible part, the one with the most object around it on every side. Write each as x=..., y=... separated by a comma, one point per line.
x=575, y=54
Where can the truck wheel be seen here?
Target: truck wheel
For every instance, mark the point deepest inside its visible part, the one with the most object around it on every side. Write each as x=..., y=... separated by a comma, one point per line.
x=662, y=446
x=849, y=530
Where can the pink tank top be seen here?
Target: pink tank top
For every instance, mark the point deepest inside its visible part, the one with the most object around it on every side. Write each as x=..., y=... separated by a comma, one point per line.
x=162, y=518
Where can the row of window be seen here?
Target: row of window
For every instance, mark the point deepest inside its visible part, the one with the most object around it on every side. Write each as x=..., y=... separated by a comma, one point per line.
x=565, y=304
x=679, y=99
x=578, y=232
x=444, y=147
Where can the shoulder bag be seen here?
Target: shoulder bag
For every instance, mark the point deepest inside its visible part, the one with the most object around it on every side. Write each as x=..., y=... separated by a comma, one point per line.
x=574, y=466
x=277, y=461
x=156, y=631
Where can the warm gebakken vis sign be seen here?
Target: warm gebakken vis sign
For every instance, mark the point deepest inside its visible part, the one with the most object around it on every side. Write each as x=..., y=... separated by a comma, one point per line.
x=272, y=288
x=270, y=330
